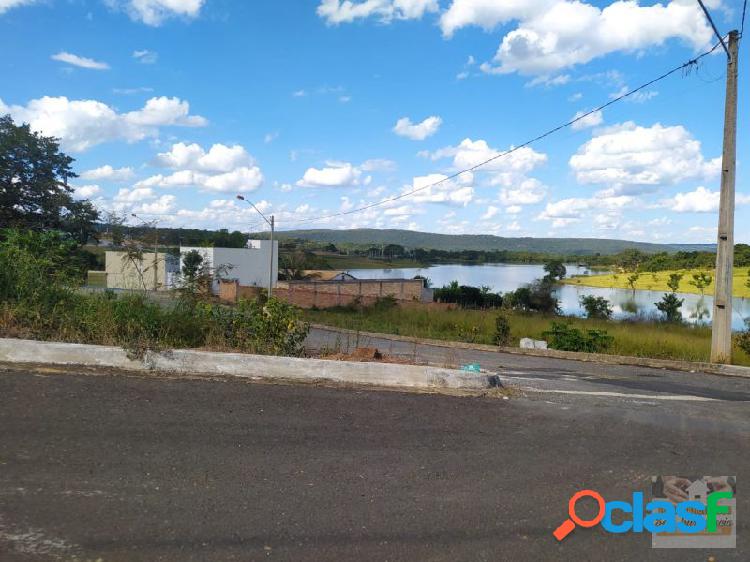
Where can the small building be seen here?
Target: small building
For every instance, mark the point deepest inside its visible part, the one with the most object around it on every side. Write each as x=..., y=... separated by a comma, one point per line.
x=252, y=266
x=148, y=272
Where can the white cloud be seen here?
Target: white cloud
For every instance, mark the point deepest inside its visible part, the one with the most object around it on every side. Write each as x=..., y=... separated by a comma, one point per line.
x=163, y=205
x=566, y=211
x=417, y=131
x=629, y=154
x=154, y=12
x=591, y=120
x=346, y=11
x=456, y=191
x=81, y=124
x=219, y=158
x=135, y=195
x=556, y=34
x=270, y=137
x=701, y=200
x=335, y=174
x=144, y=56
x=490, y=212
x=378, y=165
x=242, y=179
x=470, y=153
x=108, y=173
x=528, y=192
x=6, y=5
x=86, y=191
x=81, y=62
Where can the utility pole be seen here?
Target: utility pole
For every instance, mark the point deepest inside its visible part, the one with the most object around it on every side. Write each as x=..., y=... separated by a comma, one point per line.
x=271, y=223
x=270, y=268
x=721, y=322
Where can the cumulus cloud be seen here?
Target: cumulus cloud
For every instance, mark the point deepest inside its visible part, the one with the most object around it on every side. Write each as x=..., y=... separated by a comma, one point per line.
x=154, y=12
x=6, y=5
x=417, y=131
x=528, y=191
x=591, y=120
x=469, y=153
x=108, y=173
x=242, y=179
x=568, y=211
x=436, y=188
x=701, y=200
x=633, y=155
x=335, y=174
x=556, y=34
x=81, y=124
x=219, y=158
x=81, y=62
x=347, y=11
x=86, y=191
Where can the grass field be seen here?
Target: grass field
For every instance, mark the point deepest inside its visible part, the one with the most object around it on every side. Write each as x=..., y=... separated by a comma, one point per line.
x=657, y=281
x=641, y=339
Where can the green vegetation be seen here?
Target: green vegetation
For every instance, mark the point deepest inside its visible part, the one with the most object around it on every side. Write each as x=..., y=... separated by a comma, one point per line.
x=565, y=337
x=682, y=281
x=34, y=190
x=478, y=242
x=670, y=305
x=596, y=307
x=468, y=297
x=38, y=300
x=641, y=339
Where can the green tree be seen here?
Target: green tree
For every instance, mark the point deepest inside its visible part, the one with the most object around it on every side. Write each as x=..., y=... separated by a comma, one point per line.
x=670, y=305
x=701, y=280
x=555, y=270
x=596, y=307
x=633, y=279
x=674, y=281
x=34, y=190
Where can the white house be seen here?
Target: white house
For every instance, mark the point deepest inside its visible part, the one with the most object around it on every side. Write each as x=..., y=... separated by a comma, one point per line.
x=251, y=267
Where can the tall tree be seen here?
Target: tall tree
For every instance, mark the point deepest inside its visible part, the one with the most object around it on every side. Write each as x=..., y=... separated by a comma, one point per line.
x=34, y=190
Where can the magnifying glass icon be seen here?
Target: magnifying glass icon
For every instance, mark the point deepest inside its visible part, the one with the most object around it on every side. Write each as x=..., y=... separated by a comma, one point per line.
x=569, y=524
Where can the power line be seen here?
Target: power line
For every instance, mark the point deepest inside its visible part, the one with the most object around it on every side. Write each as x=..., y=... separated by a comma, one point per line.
x=742, y=25
x=621, y=97
x=716, y=31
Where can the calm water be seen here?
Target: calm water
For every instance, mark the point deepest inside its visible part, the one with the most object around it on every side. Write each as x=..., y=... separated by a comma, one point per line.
x=508, y=277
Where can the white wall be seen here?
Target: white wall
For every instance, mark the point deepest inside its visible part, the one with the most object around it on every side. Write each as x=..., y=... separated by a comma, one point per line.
x=249, y=266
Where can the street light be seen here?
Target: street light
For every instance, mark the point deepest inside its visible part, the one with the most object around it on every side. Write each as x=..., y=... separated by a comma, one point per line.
x=271, y=224
x=156, y=247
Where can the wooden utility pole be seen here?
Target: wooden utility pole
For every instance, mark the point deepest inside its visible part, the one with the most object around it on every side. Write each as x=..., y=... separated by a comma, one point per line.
x=721, y=322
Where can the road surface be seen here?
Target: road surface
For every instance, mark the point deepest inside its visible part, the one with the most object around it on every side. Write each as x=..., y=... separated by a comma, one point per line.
x=124, y=468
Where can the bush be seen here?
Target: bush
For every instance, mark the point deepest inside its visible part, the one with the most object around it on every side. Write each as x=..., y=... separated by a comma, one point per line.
x=38, y=302
x=564, y=337
x=502, y=330
x=670, y=305
x=536, y=297
x=468, y=297
x=743, y=338
x=596, y=307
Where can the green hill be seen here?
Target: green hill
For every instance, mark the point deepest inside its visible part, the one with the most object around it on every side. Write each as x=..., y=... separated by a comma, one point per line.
x=431, y=240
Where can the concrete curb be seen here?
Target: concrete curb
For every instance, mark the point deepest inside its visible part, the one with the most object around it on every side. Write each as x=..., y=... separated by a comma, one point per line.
x=689, y=366
x=186, y=361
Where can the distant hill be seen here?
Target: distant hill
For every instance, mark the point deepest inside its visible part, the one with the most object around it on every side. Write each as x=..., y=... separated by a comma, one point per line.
x=431, y=240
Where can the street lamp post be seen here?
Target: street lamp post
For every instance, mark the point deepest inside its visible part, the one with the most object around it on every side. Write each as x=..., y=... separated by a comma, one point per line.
x=271, y=223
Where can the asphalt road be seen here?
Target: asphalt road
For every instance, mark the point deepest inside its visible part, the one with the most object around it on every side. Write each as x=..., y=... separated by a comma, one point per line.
x=124, y=468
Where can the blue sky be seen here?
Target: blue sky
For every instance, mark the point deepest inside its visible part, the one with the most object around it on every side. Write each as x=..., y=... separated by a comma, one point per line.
x=314, y=107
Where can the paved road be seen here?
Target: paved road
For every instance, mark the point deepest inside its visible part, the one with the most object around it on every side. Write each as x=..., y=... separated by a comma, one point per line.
x=122, y=468
x=535, y=374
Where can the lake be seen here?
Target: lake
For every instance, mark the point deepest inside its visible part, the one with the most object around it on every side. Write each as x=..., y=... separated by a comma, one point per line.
x=503, y=277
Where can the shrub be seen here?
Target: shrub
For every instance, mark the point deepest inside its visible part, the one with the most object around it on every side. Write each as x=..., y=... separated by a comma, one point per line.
x=468, y=297
x=564, y=337
x=536, y=297
x=701, y=280
x=596, y=307
x=743, y=338
x=670, y=305
x=502, y=330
